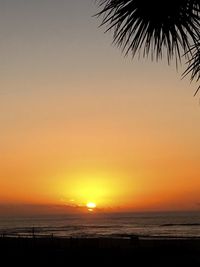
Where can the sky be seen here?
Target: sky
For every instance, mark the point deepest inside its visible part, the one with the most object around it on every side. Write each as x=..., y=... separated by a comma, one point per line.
x=80, y=123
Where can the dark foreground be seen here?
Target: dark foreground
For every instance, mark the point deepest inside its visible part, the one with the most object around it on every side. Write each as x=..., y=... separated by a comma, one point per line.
x=98, y=252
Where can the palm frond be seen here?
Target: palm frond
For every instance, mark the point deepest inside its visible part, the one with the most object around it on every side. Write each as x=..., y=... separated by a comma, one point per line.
x=194, y=63
x=152, y=26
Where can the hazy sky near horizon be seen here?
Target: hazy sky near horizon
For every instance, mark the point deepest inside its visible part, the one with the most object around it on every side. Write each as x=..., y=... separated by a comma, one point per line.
x=80, y=122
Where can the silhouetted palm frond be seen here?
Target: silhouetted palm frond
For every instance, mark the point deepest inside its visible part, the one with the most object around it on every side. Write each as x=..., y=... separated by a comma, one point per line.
x=152, y=26
x=194, y=63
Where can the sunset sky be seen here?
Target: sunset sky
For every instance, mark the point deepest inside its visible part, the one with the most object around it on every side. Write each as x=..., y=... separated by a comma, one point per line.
x=80, y=123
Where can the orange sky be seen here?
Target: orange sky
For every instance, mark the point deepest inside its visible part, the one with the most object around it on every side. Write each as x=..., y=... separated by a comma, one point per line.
x=79, y=122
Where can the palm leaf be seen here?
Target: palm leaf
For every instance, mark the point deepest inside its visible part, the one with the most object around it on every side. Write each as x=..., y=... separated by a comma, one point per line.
x=194, y=64
x=152, y=26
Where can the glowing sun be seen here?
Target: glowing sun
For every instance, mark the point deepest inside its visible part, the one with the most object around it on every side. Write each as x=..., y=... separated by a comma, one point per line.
x=91, y=206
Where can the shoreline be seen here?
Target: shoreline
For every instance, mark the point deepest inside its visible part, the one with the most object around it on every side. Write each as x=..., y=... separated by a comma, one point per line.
x=11, y=235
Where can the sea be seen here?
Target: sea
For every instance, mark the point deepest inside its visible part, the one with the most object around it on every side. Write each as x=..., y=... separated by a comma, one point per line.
x=97, y=225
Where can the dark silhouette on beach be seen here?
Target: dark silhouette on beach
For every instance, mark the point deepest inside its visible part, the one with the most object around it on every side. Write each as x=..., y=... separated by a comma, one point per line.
x=156, y=28
x=48, y=251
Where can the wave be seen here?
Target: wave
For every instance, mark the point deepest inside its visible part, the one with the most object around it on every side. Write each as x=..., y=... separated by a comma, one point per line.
x=113, y=225
x=180, y=224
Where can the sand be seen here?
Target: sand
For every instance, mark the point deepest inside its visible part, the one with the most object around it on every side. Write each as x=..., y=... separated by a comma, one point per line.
x=99, y=252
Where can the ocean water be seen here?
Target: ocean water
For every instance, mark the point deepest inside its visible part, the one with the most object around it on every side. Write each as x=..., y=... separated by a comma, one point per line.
x=124, y=225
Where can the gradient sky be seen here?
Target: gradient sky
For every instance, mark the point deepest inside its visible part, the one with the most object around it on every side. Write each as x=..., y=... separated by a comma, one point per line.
x=79, y=122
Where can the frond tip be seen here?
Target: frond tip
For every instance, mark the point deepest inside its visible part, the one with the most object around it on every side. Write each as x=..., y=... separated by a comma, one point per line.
x=152, y=26
x=194, y=64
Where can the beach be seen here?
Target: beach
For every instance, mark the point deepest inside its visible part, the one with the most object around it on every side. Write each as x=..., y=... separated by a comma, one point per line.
x=132, y=251
x=102, y=239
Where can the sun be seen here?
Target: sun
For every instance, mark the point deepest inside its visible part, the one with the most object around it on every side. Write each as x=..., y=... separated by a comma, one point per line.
x=91, y=206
